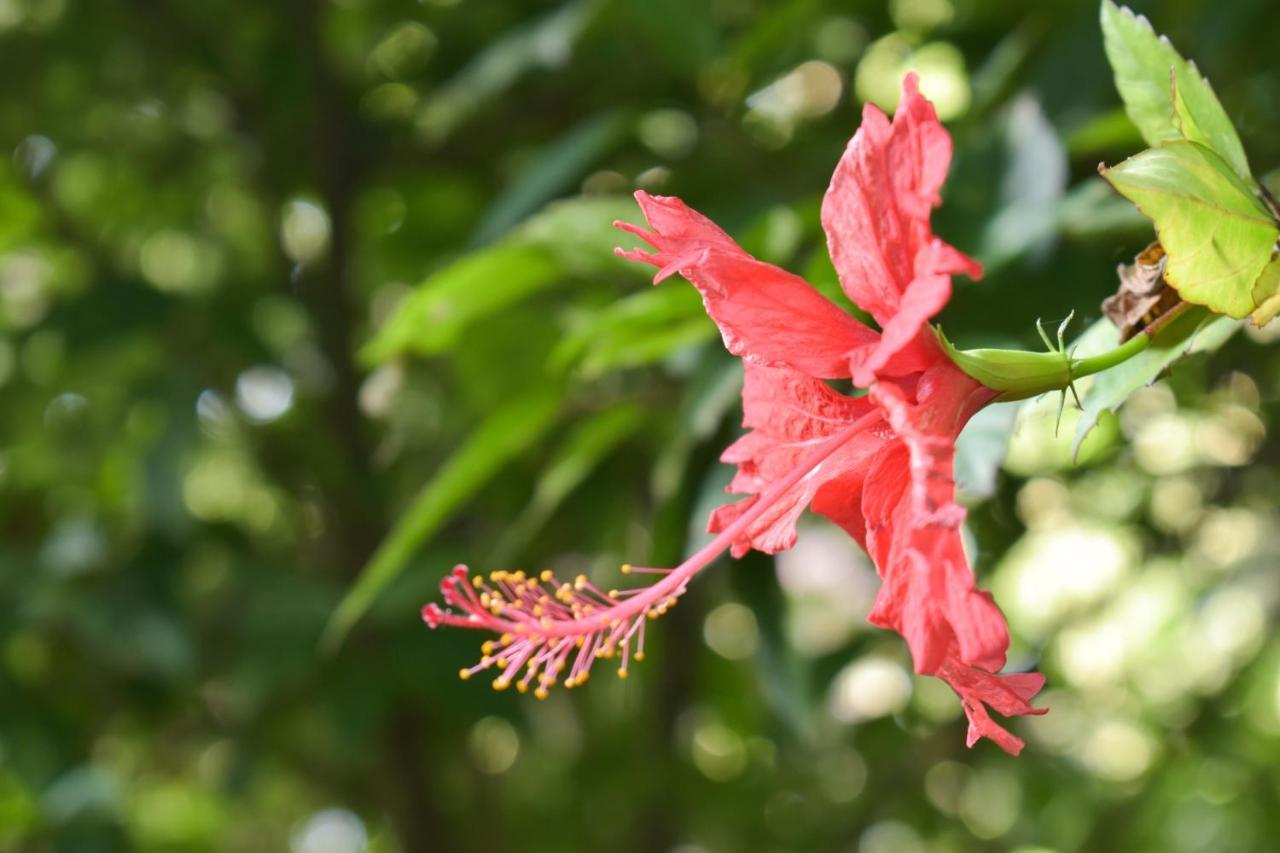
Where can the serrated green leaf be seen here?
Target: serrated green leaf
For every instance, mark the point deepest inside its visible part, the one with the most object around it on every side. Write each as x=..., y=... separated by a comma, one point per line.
x=588, y=444
x=1164, y=94
x=506, y=434
x=1218, y=235
x=1195, y=330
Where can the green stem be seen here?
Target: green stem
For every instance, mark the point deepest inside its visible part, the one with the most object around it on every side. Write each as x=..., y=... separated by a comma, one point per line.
x=1097, y=363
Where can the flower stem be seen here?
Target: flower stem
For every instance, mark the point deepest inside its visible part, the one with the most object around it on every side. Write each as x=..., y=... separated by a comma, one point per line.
x=1119, y=355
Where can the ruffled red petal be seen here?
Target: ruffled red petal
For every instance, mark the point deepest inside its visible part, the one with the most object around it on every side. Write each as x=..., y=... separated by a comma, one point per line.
x=876, y=215
x=890, y=483
x=765, y=314
x=1008, y=695
x=788, y=413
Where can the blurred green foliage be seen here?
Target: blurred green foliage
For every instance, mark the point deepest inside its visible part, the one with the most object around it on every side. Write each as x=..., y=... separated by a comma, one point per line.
x=289, y=287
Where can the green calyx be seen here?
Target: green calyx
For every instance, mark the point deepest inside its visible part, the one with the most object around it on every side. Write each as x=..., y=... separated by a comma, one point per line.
x=1019, y=374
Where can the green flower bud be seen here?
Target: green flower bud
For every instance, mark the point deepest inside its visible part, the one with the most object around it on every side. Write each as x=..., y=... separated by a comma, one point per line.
x=1019, y=374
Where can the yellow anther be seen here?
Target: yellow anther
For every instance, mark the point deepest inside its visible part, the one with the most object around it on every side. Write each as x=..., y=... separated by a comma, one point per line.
x=501, y=683
x=518, y=576
x=626, y=568
x=538, y=610
x=622, y=673
x=522, y=686
x=546, y=576
x=580, y=642
x=639, y=655
x=541, y=692
x=580, y=581
x=613, y=593
x=464, y=674
x=506, y=638
x=487, y=647
x=477, y=581
x=502, y=662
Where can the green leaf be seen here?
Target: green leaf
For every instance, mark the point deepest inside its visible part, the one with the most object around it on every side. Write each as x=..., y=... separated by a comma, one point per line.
x=431, y=320
x=555, y=170
x=981, y=448
x=589, y=444
x=579, y=234
x=1218, y=235
x=574, y=237
x=1164, y=94
x=506, y=434
x=1195, y=330
x=638, y=329
x=500, y=65
x=1266, y=294
x=714, y=391
x=650, y=349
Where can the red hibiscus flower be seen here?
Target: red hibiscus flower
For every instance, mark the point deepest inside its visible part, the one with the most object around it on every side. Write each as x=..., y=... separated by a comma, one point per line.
x=878, y=465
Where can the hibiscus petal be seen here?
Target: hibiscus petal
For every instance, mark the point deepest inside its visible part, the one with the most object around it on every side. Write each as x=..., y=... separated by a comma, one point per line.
x=912, y=522
x=788, y=413
x=765, y=314
x=876, y=215
x=1008, y=695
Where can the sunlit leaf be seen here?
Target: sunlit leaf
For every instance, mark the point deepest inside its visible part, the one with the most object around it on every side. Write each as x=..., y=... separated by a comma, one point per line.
x=1164, y=94
x=506, y=434
x=1266, y=294
x=579, y=234
x=431, y=320
x=648, y=349
x=571, y=238
x=627, y=324
x=1218, y=235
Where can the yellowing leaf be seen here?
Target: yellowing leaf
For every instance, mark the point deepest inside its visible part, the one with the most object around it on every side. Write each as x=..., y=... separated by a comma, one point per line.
x=1218, y=235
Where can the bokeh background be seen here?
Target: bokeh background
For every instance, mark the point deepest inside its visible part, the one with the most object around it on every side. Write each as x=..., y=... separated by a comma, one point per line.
x=284, y=282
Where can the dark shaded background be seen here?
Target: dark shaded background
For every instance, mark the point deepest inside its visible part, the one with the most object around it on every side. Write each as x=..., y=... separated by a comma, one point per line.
x=211, y=210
